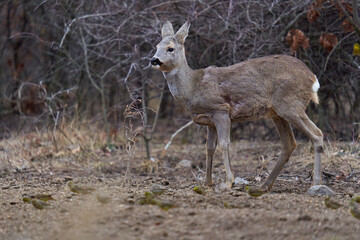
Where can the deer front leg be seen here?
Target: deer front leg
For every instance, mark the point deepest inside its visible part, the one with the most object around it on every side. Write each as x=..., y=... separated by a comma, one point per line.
x=222, y=123
x=210, y=149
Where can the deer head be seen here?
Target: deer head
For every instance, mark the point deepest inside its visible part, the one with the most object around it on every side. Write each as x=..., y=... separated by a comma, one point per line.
x=170, y=53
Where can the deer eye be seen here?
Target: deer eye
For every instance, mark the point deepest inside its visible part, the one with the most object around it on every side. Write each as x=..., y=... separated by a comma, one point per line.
x=170, y=50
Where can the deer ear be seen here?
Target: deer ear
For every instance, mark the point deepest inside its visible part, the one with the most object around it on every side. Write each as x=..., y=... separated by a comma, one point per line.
x=183, y=32
x=167, y=29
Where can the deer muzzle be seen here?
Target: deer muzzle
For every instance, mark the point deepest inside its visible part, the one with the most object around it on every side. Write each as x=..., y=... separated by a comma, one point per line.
x=155, y=62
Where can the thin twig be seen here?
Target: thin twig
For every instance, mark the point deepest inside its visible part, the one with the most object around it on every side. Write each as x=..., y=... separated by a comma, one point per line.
x=174, y=135
x=248, y=16
x=157, y=110
x=338, y=44
x=355, y=12
x=86, y=63
x=351, y=20
x=68, y=26
x=291, y=23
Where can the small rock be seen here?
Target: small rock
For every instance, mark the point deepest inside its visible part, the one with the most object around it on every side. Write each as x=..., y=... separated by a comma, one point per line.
x=57, y=181
x=68, y=178
x=240, y=181
x=192, y=213
x=158, y=189
x=39, y=204
x=165, y=182
x=304, y=218
x=103, y=198
x=350, y=192
x=238, y=194
x=185, y=163
x=320, y=190
x=238, y=188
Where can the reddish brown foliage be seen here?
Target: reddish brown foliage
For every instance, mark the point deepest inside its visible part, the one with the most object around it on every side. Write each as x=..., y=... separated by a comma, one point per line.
x=345, y=5
x=296, y=39
x=313, y=14
x=318, y=3
x=328, y=41
x=347, y=26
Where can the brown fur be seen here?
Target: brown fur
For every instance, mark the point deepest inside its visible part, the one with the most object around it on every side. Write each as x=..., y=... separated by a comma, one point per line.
x=277, y=87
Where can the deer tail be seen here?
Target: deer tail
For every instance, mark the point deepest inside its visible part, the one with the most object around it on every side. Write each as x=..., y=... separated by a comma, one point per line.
x=315, y=88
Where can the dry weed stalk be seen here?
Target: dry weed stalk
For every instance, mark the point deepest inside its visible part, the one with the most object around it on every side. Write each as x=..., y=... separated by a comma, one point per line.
x=129, y=134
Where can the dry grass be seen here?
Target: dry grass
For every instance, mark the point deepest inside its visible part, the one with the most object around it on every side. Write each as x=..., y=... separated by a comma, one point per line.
x=79, y=144
x=85, y=146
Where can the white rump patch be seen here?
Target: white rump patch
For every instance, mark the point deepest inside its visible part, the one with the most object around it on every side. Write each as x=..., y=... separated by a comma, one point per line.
x=316, y=85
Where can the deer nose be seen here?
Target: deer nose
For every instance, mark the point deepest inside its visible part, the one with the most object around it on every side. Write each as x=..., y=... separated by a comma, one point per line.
x=155, y=61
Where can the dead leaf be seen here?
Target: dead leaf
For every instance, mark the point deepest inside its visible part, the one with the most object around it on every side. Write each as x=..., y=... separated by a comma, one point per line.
x=347, y=26
x=313, y=14
x=296, y=39
x=328, y=41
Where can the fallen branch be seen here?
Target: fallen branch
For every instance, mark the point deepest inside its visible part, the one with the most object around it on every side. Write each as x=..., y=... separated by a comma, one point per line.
x=172, y=137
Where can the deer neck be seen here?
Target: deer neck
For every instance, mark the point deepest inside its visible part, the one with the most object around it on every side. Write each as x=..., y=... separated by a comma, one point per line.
x=181, y=82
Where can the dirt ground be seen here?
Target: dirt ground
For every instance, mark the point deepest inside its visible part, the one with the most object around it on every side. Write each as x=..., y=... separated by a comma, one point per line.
x=287, y=212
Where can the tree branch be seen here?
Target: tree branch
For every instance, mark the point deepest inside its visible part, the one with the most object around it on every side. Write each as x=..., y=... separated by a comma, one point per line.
x=355, y=25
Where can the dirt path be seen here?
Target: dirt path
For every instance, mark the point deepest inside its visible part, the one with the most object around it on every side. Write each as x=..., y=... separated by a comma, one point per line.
x=286, y=213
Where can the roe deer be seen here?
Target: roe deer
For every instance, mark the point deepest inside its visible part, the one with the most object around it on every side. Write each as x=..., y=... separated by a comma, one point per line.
x=278, y=87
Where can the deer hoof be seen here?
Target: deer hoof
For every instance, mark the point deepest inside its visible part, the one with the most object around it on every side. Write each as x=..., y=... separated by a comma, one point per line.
x=224, y=186
x=208, y=183
x=229, y=184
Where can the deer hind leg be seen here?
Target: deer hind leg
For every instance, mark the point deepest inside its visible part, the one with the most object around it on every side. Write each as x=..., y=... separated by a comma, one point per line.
x=309, y=129
x=288, y=145
x=223, y=123
x=210, y=149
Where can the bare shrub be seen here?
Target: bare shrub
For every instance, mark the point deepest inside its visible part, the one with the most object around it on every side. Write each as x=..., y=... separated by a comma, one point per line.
x=101, y=50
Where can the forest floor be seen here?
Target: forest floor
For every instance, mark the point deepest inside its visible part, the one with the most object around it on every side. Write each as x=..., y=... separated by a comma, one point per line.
x=287, y=212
